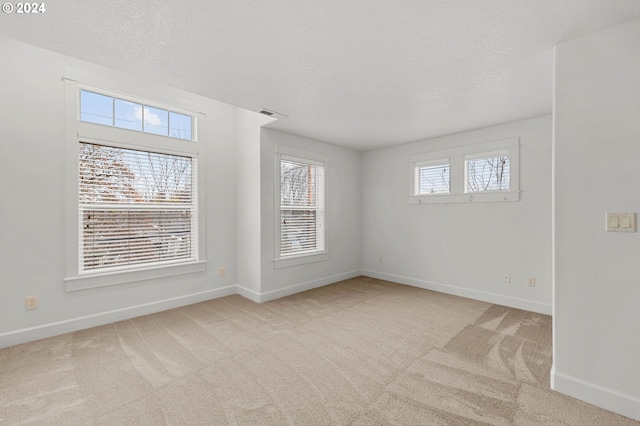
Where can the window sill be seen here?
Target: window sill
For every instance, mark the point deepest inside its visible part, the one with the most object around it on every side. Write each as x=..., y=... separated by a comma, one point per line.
x=477, y=197
x=286, y=262
x=84, y=282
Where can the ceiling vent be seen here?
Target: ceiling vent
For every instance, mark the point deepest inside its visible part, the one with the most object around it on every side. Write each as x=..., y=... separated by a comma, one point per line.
x=273, y=114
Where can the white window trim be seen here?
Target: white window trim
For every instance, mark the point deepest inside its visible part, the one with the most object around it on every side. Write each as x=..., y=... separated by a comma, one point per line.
x=457, y=157
x=76, y=130
x=286, y=152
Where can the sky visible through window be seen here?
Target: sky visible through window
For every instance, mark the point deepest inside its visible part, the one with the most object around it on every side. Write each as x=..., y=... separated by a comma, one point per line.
x=109, y=111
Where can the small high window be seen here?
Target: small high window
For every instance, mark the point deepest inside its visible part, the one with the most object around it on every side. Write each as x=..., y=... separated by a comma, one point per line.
x=432, y=177
x=484, y=172
x=109, y=111
x=487, y=172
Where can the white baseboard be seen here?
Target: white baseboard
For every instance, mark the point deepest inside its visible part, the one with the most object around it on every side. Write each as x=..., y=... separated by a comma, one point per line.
x=53, y=329
x=247, y=293
x=24, y=335
x=599, y=396
x=513, y=302
x=30, y=334
x=288, y=291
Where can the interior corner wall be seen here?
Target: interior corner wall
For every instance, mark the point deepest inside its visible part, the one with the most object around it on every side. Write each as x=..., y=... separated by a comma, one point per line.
x=463, y=248
x=32, y=174
x=342, y=189
x=596, y=151
x=249, y=199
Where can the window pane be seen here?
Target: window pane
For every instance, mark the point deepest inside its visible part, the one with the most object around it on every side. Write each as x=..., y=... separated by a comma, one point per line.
x=298, y=231
x=96, y=108
x=136, y=207
x=100, y=109
x=128, y=115
x=488, y=174
x=301, y=207
x=298, y=184
x=156, y=121
x=180, y=126
x=117, y=175
x=432, y=179
x=117, y=237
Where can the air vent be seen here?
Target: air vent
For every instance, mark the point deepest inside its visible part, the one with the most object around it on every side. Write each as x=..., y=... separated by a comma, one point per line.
x=272, y=113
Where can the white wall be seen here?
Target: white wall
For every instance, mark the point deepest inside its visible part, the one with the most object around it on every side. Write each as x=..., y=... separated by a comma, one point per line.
x=249, y=196
x=32, y=205
x=342, y=218
x=596, y=285
x=239, y=204
x=415, y=241
x=463, y=248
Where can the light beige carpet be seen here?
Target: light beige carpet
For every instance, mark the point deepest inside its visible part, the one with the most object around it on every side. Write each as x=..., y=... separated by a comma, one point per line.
x=359, y=352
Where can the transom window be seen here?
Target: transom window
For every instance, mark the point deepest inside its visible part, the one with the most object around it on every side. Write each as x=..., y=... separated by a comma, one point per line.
x=109, y=111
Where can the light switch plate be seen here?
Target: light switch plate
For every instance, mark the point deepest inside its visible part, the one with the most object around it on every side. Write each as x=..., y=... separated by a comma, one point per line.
x=621, y=222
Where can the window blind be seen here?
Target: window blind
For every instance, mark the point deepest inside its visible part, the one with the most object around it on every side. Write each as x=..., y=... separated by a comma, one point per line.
x=301, y=207
x=432, y=178
x=490, y=172
x=137, y=208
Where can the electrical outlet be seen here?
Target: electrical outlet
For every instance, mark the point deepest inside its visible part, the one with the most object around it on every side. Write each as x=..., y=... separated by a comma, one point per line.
x=380, y=259
x=31, y=302
x=506, y=278
x=221, y=271
x=532, y=281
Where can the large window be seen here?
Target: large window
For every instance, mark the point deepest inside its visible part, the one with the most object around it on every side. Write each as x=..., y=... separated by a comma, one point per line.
x=135, y=207
x=301, y=225
x=133, y=180
x=484, y=172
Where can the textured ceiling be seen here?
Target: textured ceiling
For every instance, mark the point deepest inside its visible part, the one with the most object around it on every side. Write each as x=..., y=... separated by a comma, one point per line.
x=358, y=73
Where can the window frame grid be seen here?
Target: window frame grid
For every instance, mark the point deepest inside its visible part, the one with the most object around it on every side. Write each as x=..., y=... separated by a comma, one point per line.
x=144, y=103
x=293, y=259
x=77, y=130
x=457, y=162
